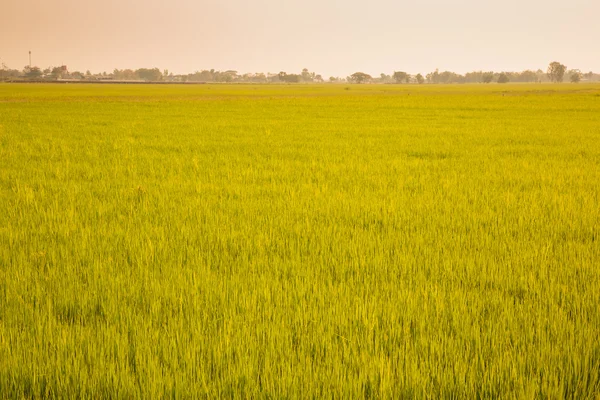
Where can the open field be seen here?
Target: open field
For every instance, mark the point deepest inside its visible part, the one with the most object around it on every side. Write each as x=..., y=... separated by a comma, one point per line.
x=300, y=241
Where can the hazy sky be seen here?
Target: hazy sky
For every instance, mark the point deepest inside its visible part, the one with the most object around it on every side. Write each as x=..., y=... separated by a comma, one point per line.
x=331, y=37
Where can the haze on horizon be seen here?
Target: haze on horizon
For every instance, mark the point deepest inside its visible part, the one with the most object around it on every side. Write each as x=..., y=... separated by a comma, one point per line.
x=330, y=37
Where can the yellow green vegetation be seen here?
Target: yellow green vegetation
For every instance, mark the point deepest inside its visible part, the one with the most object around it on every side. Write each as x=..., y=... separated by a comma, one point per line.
x=300, y=241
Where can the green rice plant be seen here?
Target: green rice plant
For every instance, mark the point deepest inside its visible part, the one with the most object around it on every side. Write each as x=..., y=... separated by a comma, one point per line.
x=300, y=241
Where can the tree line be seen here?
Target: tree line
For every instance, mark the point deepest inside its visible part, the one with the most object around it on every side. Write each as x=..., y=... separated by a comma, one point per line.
x=556, y=72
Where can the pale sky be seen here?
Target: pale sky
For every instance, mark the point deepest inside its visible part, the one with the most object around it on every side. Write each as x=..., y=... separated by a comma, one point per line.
x=330, y=37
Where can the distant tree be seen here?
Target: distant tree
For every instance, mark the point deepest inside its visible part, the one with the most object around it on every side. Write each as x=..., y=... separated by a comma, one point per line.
x=319, y=78
x=474, y=77
x=123, y=74
x=385, y=78
x=6, y=72
x=203, y=76
x=227, y=76
x=556, y=71
x=307, y=76
x=289, y=78
x=575, y=75
x=503, y=78
x=540, y=76
x=359, y=77
x=446, y=77
x=2, y=71
x=433, y=77
x=153, y=74
x=149, y=74
x=32, y=73
x=259, y=77
x=400, y=76
x=528, y=76
x=420, y=79
x=487, y=77
x=57, y=72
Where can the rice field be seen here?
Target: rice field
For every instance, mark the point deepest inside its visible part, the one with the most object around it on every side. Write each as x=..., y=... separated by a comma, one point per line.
x=300, y=241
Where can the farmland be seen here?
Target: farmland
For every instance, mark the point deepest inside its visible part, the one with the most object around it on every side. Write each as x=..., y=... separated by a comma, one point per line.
x=300, y=241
